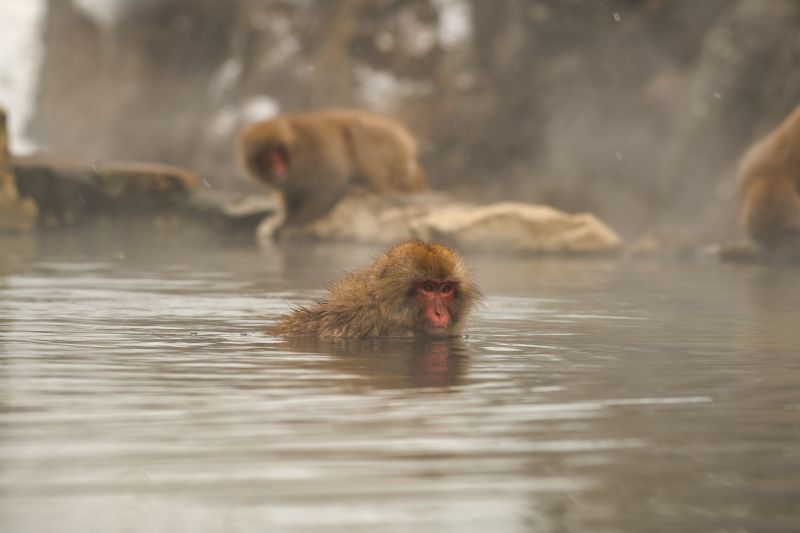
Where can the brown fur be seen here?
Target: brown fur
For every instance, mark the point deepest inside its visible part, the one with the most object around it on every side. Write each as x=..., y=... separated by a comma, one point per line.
x=769, y=191
x=377, y=300
x=330, y=151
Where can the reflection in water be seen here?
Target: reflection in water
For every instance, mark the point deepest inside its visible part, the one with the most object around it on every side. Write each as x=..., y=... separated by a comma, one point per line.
x=774, y=309
x=14, y=249
x=138, y=392
x=391, y=362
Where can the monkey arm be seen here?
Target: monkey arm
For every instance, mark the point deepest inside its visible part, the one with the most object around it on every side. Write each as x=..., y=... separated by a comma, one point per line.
x=303, y=209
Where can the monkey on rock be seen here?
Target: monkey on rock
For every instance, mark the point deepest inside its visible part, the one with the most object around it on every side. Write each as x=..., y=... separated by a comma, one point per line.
x=769, y=191
x=412, y=289
x=316, y=157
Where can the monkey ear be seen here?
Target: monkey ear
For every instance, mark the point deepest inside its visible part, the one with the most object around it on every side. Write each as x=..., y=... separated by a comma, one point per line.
x=382, y=267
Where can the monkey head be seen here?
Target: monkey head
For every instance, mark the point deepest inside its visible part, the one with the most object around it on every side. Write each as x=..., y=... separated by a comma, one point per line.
x=425, y=289
x=413, y=289
x=267, y=149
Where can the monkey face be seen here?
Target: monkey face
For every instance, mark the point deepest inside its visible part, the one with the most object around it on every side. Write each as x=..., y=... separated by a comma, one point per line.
x=434, y=298
x=274, y=164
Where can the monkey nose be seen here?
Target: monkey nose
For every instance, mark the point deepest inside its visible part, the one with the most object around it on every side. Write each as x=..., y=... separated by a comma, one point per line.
x=438, y=320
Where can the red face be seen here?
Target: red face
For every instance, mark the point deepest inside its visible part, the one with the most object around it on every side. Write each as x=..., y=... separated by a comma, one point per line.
x=433, y=297
x=274, y=161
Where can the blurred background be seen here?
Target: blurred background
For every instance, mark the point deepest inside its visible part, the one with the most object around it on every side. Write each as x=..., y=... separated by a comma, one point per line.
x=636, y=110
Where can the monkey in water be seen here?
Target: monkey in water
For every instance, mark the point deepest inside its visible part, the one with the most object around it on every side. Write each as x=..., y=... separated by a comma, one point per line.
x=316, y=157
x=412, y=289
x=769, y=189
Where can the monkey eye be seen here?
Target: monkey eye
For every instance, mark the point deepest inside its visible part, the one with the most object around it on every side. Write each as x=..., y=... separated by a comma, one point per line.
x=427, y=286
x=446, y=288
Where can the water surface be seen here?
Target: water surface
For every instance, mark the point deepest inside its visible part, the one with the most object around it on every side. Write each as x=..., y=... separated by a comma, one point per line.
x=139, y=393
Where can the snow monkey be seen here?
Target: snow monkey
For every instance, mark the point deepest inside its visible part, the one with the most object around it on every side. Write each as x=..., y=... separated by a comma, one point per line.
x=412, y=289
x=769, y=189
x=315, y=157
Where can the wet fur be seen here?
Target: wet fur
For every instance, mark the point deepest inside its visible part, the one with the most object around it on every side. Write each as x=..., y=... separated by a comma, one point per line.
x=377, y=300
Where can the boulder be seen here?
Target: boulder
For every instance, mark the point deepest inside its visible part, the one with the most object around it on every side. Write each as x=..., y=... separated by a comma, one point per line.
x=153, y=184
x=517, y=227
x=16, y=213
x=363, y=217
x=237, y=216
x=74, y=192
x=668, y=243
x=511, y=227
x=69, y=191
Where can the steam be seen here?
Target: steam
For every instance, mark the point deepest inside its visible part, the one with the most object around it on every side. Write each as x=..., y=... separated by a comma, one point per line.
x=21, y=54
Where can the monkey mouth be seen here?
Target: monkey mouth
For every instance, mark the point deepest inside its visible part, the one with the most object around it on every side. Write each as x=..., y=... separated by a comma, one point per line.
x=436, y=330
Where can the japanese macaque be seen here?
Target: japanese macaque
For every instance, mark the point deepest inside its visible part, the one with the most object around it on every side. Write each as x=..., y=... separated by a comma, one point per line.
x=769, y=191
x=315, y=157
x=412, y=289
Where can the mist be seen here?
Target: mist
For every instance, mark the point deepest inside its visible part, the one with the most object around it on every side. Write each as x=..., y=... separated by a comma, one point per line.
x=637, y=111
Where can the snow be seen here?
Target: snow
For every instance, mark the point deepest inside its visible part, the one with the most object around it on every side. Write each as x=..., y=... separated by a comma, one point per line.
x=230, y=118
x=259, y=108
x=380, y=89
x=21, y=53
x=107, y=14
x=454, y=21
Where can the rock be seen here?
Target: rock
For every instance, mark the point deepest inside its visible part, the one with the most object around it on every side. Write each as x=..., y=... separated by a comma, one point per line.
x=149, y=184
x=667, y=243
x=74, y=192
x=363, y=217
x=235, y=215
x=64, y=190
x=69, y=191
x=513, y=227
x=16, y=213
x=517, y=227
